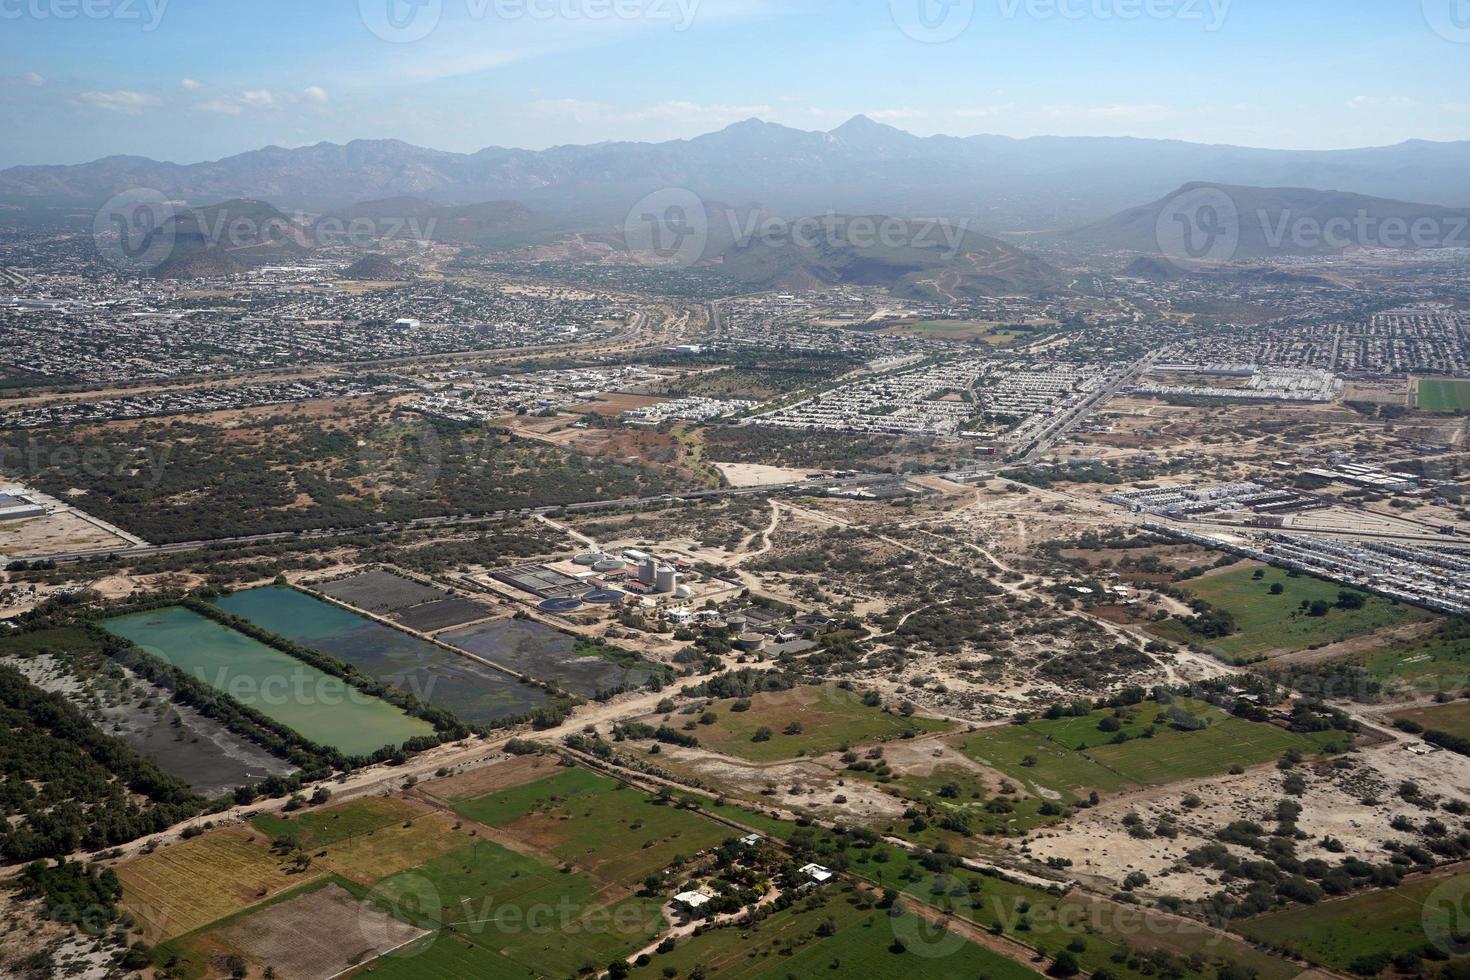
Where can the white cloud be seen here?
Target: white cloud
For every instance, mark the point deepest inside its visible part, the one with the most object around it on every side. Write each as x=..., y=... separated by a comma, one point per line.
x=129, y=103
x=190, y=85
x=263, y=100
x=234, y=105
x=1359, y=102
x=29, y=80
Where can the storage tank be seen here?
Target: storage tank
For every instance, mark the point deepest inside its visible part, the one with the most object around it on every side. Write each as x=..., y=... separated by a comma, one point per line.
x=666, y=580
x=610, y=565
x=684, y=592
x=648, y=572
x=751, y=641
x=737, y=623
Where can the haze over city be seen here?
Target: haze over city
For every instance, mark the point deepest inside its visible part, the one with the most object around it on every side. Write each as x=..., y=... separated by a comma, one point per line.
x=734, y=489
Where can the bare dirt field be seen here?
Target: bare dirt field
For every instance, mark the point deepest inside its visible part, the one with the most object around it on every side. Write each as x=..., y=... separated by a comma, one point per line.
x=613, y=404
x=755, y=475
x=56, y=534
x=289, y=936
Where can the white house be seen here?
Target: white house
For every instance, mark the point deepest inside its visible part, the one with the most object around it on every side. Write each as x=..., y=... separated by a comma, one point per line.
x=818, y=874
x=691, y=900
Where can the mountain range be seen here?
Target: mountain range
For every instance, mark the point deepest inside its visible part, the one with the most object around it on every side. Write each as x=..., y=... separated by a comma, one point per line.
x=863, y=166
x=1263, y=221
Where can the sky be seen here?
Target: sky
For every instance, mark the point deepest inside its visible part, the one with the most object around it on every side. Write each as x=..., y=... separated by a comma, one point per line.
x=192, y=80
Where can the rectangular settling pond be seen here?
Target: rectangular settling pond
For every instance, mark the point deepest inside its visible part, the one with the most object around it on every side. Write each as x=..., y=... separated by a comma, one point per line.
x=475, y=693
x=537, y=650
x=319, y=706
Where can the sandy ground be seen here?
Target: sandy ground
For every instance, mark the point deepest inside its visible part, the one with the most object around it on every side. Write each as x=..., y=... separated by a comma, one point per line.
x=1353, y=805
x=56, y=534
x=23, y=931
x=757, y=475
x=819, y=787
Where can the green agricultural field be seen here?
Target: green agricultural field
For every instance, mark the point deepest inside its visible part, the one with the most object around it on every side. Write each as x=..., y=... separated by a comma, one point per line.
x=1440, y=662
x=1066, y=758
x=1267, y=624
x=1451, y=718
x=1444, y=396
x=862, y=947
x=983, y=814
x=523, y=908
x=315, y=829
x=448, y=957
x=830, y=718
x=1358, y=929
x=1037, y=917
x=617, y=834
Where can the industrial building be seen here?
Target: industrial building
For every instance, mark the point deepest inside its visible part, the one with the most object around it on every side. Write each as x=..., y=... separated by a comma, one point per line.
x=15, y=505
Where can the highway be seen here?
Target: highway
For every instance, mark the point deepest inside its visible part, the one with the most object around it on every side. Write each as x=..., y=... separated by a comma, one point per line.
x=1059, y=428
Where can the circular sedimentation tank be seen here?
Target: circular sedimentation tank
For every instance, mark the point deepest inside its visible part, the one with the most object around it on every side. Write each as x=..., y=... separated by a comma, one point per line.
x=590, y=559
x=560, y=605
x=610, y=565
x=605, y=597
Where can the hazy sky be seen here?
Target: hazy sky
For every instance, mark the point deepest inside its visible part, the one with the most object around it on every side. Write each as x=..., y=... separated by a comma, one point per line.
x=189, y=80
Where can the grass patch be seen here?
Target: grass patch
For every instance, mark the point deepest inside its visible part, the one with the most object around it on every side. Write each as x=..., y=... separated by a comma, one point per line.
x=1131, y=942
x=318, y=828
x=1444, y=396
x=1435, y=664
x=524, y=909
x=617, y=834
x=448, y=957
x=829, y=716
x=860, y=948
x=1451, y=718
x=1066, y=758
x=1339, y=933
x=1266, y=623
